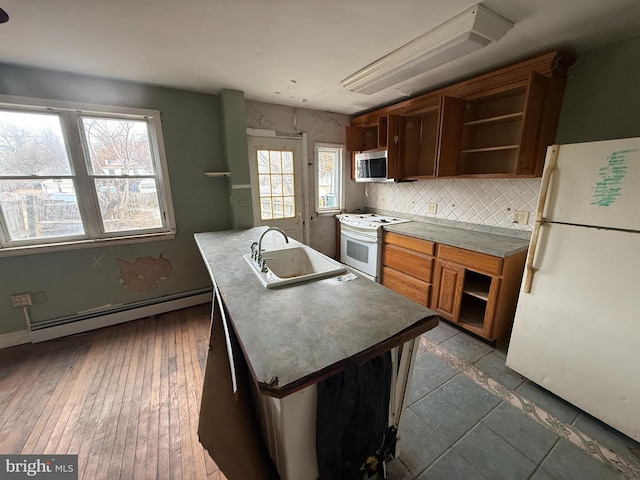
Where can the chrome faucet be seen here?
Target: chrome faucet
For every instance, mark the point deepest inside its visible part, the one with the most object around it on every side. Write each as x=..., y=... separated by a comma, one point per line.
x=256, y=253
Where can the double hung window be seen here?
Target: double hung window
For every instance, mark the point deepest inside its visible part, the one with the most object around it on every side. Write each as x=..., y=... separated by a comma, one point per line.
x=74, y=174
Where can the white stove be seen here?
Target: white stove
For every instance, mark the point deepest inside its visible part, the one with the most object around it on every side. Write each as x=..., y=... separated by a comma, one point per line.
x=368, y=221
x=361, y=239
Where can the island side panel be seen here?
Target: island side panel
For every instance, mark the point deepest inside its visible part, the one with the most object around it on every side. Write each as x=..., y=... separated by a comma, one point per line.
x=228, y=428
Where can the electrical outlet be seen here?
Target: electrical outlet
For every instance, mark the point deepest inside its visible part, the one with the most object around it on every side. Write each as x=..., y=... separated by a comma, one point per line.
x=432, y=207
x=20, y=300
x=521, y=217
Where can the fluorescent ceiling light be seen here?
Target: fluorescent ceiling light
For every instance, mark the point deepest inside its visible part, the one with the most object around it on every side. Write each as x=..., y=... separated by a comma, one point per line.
x=473, y=29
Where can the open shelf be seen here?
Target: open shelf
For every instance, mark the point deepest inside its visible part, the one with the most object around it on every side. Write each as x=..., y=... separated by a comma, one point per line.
x=217, y=174
x=493, y=120
x=472, y=312
x=491, y=149
x=473, y=305
x=492, y=131
x=477, y=285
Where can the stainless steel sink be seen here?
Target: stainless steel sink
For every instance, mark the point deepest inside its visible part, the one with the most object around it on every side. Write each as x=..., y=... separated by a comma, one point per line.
x=294, y=265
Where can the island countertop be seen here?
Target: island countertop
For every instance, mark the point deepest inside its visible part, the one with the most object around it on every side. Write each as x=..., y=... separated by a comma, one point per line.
x=295, y=336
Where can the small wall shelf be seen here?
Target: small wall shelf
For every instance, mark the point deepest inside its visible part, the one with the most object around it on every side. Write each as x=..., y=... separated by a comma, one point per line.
x=217, y=174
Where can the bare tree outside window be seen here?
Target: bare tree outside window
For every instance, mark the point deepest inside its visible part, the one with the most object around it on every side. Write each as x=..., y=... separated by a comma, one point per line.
x=119, y=161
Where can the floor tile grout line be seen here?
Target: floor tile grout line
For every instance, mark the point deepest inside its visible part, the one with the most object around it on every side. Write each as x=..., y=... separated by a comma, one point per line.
x=539, y=465
x=452, y=445
x=627, y=467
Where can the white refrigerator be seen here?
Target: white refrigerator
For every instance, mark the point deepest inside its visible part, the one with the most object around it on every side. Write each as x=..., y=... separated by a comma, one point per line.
x=577, y=325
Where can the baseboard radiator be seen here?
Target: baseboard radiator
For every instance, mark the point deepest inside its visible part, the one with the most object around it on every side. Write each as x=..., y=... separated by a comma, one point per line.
x=84, y=322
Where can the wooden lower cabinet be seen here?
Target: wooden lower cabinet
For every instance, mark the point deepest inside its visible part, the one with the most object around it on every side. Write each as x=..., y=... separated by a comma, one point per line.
x=476, y=291
x=407, y=263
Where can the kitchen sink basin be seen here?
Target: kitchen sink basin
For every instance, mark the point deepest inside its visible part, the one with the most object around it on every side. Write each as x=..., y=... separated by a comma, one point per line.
x=294, y=265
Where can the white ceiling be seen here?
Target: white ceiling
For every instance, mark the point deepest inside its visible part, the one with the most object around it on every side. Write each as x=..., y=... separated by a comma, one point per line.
x=300, y=49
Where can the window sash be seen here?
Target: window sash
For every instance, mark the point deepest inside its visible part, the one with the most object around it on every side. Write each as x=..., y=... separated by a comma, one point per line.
x=336, y=179
x=84, y=181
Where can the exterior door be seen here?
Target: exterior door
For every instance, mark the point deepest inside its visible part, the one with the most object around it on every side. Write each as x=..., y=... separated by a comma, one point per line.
x=276, y=184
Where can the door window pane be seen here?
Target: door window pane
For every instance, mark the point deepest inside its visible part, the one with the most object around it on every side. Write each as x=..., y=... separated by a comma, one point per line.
x=277, y=185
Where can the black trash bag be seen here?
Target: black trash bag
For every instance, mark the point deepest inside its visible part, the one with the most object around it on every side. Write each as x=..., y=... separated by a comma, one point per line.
x=352, y=417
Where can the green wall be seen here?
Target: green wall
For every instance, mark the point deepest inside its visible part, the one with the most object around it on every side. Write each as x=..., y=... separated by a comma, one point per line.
x=601, y=99
x=84, y=279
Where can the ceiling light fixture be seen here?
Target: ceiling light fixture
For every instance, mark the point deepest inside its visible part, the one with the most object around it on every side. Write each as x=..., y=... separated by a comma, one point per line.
x=473, y=29
x=4, y=16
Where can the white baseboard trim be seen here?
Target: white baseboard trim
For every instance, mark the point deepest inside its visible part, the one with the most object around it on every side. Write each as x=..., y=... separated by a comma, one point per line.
x=12, y=339
x=106, y=320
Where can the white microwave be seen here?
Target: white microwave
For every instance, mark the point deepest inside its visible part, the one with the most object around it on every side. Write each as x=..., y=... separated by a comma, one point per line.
x=371, y=167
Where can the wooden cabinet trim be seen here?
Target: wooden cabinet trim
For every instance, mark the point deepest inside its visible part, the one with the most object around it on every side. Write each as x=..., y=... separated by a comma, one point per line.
x=553, y=63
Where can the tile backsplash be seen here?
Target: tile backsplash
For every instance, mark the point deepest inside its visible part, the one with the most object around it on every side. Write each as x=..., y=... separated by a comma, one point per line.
x=482, y=201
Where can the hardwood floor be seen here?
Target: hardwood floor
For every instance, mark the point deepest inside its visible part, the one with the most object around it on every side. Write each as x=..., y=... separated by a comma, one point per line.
x=125, y=398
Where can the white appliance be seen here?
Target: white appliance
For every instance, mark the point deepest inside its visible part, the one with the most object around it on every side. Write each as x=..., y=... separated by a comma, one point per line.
x=577, y=325
x=361, y=240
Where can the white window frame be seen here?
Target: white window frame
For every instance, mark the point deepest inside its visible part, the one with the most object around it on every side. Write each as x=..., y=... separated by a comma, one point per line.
x=340, y=149
x=71, y=114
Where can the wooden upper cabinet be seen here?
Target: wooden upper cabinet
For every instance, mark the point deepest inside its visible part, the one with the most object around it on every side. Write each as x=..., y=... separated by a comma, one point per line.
x=361, y=138
x=501, y=131
x=495, y=125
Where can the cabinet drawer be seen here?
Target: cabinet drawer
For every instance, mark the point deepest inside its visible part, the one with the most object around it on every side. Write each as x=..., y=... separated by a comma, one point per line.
x=473, y=260
x=417, y=244
x=406, y=285
x=410, y=262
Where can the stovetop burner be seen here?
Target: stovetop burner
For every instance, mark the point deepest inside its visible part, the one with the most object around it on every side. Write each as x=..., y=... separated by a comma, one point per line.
x=369, y=220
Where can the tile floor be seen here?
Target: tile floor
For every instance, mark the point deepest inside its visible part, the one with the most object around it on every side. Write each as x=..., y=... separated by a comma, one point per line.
x=471, y=417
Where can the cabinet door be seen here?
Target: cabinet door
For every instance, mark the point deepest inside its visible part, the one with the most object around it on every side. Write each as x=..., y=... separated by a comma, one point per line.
x=419, y=143
x=393, y=146
x=447, y=290
x=531, y=152
x=450, y=136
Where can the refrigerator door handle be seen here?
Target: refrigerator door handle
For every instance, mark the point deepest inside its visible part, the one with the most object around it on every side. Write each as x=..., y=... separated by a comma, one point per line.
x=549, y=165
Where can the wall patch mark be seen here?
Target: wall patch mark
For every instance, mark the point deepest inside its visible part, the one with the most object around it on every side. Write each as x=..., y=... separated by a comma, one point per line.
x=144, y=272
x=96, y=261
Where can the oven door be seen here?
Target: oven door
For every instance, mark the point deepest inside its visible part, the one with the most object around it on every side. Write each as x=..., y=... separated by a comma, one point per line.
x=359, y=250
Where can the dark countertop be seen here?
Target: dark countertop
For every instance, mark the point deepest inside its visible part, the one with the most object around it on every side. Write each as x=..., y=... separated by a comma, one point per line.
x=489, y=243
x=295, y=336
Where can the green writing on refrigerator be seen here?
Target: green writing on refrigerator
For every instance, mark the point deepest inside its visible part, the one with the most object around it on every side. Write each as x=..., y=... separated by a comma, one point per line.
x=608, y=188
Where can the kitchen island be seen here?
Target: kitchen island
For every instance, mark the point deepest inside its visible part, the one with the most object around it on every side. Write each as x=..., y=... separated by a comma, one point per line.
x=280, y=343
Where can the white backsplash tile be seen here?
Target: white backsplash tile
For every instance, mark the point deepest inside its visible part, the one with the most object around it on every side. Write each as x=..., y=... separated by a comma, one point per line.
x=483, y=201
